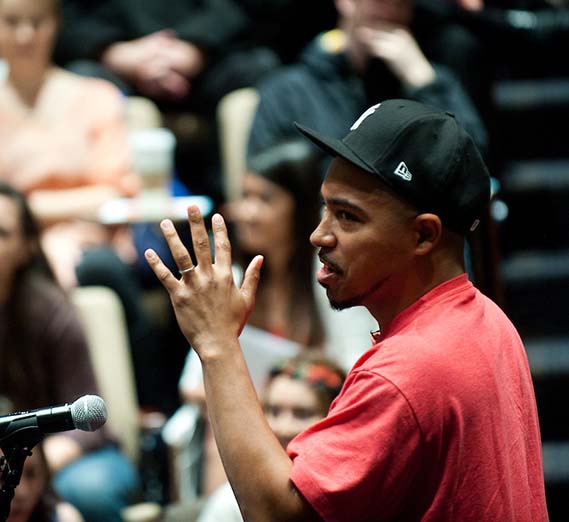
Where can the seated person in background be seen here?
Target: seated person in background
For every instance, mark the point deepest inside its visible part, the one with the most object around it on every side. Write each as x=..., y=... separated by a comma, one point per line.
x=373, y=55
x=189, y=54
x=45, y=362
x=298, y=394
x=278, y=209
x=33, y=499
x=277, y=24
x=64, y=145
x=184, y=55
x=63, y=136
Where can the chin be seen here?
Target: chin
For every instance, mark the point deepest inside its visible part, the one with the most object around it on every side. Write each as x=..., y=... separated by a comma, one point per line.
x=343, y=305
x=337, y=303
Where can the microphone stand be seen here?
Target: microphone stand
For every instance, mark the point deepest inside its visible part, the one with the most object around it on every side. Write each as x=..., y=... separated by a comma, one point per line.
x=16, y=447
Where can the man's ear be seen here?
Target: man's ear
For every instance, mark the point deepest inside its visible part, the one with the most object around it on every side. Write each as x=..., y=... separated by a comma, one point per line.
x=428, y=231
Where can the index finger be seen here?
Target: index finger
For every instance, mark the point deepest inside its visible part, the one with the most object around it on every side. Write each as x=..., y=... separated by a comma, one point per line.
x=200, y=239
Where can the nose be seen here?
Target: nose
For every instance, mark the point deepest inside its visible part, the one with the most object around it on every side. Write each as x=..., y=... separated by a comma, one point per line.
x=245, y=211
x=284, y=426
x=322, y=235
x=25, y=33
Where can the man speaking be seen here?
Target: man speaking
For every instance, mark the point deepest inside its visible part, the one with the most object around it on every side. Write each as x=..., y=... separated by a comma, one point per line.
x=437, y=421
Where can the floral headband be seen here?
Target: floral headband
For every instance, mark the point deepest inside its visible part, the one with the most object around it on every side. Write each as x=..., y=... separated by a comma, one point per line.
x=317, y=375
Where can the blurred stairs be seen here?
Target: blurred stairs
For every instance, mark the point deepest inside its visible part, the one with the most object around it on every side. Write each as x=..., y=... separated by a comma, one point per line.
x=533, y=143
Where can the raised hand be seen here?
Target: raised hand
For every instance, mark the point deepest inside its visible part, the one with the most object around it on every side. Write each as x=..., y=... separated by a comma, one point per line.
x=209, y=308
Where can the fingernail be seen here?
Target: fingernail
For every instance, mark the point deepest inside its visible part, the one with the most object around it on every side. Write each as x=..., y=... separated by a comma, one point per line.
x=166, y=224
x=150, y=254
x=217, y=219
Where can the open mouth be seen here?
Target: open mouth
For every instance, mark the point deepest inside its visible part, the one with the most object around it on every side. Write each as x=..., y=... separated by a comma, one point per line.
x=329, y=266
x=328, y=273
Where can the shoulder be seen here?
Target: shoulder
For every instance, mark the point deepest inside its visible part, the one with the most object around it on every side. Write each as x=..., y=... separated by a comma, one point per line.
x=45, y=295
x=88, y=90
x=416, y=364
x=50, y=310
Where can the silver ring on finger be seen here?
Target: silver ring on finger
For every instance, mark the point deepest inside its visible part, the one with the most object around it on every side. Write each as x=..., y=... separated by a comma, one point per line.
x=186, y=270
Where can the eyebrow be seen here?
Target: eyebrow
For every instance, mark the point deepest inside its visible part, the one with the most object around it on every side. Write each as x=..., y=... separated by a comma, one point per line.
x=342, y=202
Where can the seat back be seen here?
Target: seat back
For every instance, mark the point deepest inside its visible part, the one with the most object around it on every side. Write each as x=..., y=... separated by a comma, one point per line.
x=235, y=113
x=102, y=316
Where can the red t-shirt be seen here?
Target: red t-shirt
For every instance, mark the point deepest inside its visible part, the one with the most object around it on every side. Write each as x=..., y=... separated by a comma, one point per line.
x=436, y=422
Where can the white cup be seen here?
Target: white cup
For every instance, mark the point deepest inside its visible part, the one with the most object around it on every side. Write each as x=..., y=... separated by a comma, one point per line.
x=152, y=153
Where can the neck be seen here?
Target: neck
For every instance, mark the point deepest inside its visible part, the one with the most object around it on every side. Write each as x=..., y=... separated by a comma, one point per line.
x=278, y=263
x=28, y=82
x=394, y=296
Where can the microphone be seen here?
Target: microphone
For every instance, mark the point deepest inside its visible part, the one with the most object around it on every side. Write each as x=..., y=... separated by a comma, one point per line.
x=88, y=413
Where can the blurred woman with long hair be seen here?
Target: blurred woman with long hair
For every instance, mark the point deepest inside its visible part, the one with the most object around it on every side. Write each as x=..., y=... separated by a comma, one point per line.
x=44, y=361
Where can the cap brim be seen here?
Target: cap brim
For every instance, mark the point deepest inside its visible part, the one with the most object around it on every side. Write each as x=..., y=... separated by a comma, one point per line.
x=333, y=147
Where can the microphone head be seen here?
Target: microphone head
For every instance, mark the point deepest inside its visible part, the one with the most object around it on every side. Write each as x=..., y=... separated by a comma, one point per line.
x=89, y=412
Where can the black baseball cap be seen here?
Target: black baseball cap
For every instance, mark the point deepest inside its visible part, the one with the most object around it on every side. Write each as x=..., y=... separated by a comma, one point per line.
x=424, y=155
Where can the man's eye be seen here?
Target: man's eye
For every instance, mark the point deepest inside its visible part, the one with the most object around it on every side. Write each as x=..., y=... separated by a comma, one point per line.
x=346, y=216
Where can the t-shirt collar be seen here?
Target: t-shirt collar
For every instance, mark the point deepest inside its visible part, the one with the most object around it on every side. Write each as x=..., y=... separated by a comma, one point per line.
x=453, y=286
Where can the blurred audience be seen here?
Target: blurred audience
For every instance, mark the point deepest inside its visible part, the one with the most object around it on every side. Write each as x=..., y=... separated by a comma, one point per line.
x=67, y=155
x=65, y=145
x=373, y=55
x=184, y=57
x=64, y=139
x=277, y=24
x=45, y=362
x=278, y=210
x=34, y=501
x=188, y=54
x=298, y=394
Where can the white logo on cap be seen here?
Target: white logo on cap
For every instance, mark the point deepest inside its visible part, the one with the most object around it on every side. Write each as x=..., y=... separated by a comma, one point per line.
x=403, y=172
x=367, y=113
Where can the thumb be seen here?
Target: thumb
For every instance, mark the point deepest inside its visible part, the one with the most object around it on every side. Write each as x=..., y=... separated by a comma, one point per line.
x=251, y=279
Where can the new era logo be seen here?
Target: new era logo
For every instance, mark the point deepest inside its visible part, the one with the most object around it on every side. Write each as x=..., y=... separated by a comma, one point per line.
x=403, y=172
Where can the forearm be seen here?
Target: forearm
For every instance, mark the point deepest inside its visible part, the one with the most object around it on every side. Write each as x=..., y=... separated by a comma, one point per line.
x=211, y=311
x=257, y=466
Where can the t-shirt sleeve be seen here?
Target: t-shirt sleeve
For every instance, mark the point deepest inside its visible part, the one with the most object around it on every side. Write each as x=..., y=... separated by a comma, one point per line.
x=356, y=463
